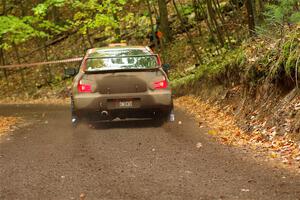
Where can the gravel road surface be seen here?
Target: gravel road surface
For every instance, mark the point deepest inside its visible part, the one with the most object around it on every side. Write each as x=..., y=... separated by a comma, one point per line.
x=48, y=159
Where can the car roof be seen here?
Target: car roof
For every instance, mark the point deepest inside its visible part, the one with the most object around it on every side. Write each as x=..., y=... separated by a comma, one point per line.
x=120, y=48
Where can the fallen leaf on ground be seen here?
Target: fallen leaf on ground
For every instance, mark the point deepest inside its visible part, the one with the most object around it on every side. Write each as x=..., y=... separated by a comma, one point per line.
x=212, y=132
x=199, y=145
x=245, y=190
x=7, y=123
x=223, y=127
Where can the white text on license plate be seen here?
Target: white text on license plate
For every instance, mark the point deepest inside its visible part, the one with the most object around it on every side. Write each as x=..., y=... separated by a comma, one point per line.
x=125, y=104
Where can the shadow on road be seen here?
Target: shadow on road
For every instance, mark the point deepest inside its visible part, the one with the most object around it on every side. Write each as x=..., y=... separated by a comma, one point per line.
x=132, y=124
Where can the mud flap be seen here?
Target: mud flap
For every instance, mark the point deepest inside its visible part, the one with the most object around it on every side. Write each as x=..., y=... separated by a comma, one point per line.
x=171, y=116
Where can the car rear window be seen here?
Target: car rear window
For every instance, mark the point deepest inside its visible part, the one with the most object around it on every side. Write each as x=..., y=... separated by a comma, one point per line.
x=120, y=59
x=120, y=52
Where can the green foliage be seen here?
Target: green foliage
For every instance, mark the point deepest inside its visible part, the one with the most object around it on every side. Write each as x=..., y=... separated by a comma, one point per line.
x=42, y=8
x=216, y=67
x=16, y=30
x=51, y=27
x=277, y=63
x=83, y=16
x=92, y=15
x=286, y=11
x=186, y=9
x=286, y=62
x=136, y=25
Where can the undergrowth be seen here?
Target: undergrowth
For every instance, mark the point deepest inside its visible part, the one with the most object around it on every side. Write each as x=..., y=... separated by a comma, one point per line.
x=256, y=61
x=219, y=66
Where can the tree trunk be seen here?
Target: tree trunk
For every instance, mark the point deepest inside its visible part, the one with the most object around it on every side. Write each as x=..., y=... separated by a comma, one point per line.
x=118, y=29
x=260, y=11
x=250, y=15
x=55, y=14
x=197, y=16
x=83, y=42
x=2, y=59
x=213, y=19
x=209, y=26
x=15, y=47
x=3, y=7
x=164, y=21
x=253, y=3
x=222, y=19
x=47, y=67
x=187, y=33
x=236, y=20
x=152, y=25
x=23, y=9
x=89, y=39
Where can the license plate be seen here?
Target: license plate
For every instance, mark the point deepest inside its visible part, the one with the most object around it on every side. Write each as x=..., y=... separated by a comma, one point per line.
x=125, y=104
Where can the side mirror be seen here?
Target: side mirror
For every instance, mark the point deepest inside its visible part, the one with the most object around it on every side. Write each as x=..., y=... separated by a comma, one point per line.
x=69, y=72
x=166, y=67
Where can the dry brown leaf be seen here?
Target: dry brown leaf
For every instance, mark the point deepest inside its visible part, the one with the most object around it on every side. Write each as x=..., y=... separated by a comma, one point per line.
x=223, y=126
x=7, y=122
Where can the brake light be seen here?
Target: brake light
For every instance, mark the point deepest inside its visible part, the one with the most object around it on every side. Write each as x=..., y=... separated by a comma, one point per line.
x=84, y=87
x=161, y=84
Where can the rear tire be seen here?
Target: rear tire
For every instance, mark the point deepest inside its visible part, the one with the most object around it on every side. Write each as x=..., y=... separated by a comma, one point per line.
x=74, y=118
x=74, y=121
x=161, y=118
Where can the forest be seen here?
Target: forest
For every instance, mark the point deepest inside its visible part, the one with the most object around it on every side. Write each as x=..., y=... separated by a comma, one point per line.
x=263, y=33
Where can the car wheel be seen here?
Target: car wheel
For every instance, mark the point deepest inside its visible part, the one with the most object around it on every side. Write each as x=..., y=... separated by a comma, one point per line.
x=167, y=116
x=161, y=118
x=74, y=118
x=74, y=121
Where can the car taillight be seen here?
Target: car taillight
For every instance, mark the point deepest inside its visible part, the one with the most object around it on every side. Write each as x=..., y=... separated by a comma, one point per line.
x=161, y=84
x=84, y=87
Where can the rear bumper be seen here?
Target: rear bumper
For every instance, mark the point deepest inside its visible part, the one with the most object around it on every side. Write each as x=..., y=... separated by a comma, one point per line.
x=151, y=103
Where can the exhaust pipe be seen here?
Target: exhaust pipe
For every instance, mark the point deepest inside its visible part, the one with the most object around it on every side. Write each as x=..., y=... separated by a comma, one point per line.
x=104, y=113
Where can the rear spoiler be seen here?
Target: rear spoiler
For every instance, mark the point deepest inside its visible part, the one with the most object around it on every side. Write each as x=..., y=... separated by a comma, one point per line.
x=104, y=57
x=122, y=70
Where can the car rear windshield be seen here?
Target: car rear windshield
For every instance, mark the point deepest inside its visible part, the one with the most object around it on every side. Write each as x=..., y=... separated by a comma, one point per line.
x=120, y=60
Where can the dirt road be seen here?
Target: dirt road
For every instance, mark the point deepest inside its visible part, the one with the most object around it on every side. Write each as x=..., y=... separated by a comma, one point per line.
x=49, y=160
